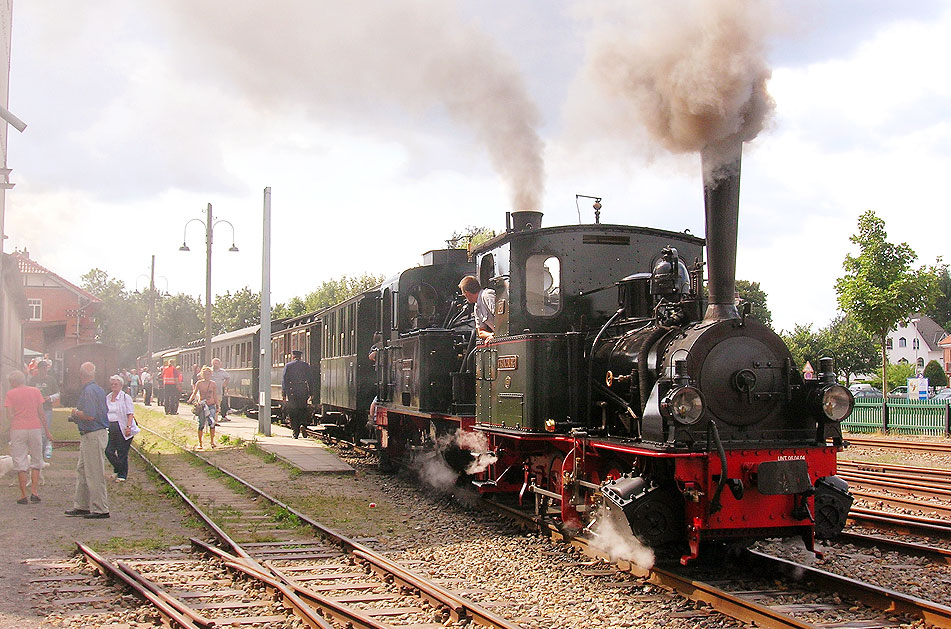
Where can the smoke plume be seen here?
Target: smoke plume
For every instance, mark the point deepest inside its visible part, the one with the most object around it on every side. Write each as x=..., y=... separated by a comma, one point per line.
x=693, y=73
x=369, y=65
x=615, y=539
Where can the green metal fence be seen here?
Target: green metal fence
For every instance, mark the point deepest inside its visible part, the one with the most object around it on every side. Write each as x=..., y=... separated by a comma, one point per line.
x=907, y=417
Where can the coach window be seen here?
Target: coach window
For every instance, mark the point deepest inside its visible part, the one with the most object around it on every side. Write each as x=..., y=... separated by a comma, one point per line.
x=542, y=285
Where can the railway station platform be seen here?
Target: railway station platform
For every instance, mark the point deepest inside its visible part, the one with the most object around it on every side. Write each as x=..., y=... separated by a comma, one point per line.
x=307, y=455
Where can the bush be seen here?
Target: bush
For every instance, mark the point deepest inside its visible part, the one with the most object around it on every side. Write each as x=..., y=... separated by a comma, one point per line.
x=897, y=375
x=935, y=374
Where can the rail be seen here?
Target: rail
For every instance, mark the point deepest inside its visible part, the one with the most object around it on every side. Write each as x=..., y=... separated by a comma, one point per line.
x=436, y=594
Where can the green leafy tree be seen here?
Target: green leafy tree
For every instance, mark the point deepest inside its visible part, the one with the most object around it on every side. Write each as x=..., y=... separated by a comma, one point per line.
x=804, y=344
x=294, y=307
x=470, y=237
x=935, y=374
x=331, y=292
x=233, y=311
x=896, y=375
x=120, y=317
x=880, y=288
x=756, y=296
x=940, y=311
x=178, y=319
x=855, y=352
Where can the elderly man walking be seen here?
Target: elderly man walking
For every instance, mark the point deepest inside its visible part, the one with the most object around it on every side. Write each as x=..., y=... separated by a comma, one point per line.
x=27, y=427
x=92, y=418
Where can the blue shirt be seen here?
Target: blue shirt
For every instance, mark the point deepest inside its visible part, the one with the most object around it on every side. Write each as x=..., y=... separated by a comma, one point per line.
x=92, y=401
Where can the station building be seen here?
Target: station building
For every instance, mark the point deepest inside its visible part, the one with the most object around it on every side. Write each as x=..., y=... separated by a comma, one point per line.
x=59, y=313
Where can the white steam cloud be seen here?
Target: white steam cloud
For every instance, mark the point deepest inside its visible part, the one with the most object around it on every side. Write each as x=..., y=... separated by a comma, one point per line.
x=615, y=539
x=436, y=473
x=693, y=73
x=367, y=64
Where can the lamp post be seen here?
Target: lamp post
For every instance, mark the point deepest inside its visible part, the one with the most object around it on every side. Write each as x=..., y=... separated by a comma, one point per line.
x=209, y=224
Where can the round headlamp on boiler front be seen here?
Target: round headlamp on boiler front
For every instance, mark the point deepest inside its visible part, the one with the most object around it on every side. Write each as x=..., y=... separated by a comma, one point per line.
x=683, y=405
x=835, y=402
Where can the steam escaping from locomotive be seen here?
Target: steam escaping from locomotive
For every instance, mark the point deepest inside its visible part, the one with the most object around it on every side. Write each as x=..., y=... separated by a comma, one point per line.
x=612, y=535
x=692, y=72
x=368, y=64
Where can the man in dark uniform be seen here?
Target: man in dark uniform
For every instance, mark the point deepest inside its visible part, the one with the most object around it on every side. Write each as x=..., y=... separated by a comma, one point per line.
x=296, y=387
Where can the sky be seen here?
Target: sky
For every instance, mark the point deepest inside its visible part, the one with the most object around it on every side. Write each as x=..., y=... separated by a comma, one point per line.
x=383, y=127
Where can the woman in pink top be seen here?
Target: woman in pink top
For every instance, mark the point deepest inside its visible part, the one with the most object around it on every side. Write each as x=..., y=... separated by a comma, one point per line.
x=25, y=413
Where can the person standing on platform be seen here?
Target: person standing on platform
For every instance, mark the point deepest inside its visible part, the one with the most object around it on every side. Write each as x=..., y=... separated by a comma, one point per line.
x=27, y=424
x=295, y=384
x=49, y=387
x=221, y=378
x=169, y=388
x=146, y=386
x=134, y=383
x=120, y=410
x=91, y=416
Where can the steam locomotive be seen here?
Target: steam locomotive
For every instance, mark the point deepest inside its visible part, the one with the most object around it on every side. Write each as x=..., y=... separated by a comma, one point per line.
x=680, y=414
x=612, y=381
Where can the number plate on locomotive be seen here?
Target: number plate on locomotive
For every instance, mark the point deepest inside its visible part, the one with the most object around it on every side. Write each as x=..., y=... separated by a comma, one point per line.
x=507, y=363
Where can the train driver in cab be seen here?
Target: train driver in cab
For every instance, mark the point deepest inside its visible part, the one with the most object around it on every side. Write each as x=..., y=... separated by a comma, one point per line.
x=484, y=300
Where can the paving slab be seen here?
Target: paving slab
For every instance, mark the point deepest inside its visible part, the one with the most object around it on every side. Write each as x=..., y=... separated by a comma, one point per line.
x=308, y=455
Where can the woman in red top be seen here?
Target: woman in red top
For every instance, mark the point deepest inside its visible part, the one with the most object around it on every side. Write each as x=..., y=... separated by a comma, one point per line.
x=27, y=423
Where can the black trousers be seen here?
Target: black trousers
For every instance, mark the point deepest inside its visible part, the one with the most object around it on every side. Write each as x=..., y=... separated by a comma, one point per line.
x=298, y=416
x=171, y=400
x=117, y=450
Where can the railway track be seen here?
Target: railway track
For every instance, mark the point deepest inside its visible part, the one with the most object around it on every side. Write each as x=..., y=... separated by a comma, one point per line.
x=330, y=581
x=899, y=444
x=768, y=605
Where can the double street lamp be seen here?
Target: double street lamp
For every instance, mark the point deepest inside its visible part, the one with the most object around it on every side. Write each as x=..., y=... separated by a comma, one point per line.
x=210, y=222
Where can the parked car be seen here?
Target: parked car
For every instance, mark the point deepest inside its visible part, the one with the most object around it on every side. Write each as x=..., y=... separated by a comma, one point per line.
x=899, y=392
x=943, y=395
x=866, y=392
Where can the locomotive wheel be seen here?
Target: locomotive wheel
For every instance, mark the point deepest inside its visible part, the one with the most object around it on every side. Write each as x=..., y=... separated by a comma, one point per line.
x=554, y=474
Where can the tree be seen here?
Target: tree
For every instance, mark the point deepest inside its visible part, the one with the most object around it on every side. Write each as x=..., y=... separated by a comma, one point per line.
x=235, y=311
x=804, y=344
x=756, y=296
x=896, y=375
x=178, y=319
x=880, y=287
x=470, y=237
x=853, y=349
x=935, y=374
x=294, y=307
x=120, y=316
x=941, y=309
x=332, y=292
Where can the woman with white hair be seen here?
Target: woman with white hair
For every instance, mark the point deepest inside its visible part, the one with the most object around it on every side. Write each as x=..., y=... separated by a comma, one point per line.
x=119, y=407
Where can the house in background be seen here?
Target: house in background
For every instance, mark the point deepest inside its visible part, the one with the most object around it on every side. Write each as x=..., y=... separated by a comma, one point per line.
x=59, y=313
x=916, y=341
x=945, y=344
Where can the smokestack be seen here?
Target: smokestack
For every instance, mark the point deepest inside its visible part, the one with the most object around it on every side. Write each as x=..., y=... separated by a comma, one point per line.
x=721, y=198
x=523, y=220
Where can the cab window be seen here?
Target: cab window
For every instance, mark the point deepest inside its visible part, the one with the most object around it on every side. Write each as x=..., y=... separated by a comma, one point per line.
x=542, y=285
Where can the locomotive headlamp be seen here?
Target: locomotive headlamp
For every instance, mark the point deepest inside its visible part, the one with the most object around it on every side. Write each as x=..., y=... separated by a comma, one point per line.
x=683, y=405
x=836, y=402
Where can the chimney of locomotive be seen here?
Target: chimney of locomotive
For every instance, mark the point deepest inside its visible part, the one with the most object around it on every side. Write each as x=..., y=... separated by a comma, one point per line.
x=721, y=198
x=524, y=220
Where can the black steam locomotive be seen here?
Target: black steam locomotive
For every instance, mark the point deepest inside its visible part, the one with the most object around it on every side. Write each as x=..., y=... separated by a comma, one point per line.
x=677, y=411
x=611, y=381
